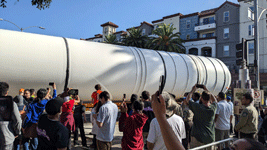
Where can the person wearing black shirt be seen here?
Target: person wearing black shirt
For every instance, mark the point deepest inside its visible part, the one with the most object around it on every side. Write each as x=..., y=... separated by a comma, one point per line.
x=27, y=97
x=52, y=135
x=79, y=114
x=149, y=113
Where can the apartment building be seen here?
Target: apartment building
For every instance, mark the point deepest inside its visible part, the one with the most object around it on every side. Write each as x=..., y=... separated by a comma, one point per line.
x=171, y=19
x=97, y=38
x=227, y=33
x=203, y=28
x=145, y=27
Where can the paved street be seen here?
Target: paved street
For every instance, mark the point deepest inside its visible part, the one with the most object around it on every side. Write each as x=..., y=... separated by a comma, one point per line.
x=116, y=144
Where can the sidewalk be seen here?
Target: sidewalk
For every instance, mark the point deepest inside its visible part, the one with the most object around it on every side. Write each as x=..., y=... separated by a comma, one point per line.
x=116, y=144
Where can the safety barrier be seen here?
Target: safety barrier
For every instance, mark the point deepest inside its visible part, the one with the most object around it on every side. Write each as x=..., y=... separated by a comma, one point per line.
x=217, y=143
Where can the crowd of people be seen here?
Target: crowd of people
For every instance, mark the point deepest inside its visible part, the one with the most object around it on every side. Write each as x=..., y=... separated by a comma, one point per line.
x=38, y=120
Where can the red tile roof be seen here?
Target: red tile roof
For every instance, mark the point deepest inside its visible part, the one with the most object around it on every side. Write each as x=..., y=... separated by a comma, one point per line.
x=144, y=22
x=133, y=27
x=207, y=12
x=166, y=17
x=96, y=36
x=189, y=15
x=109, y=24
x=124, y=33
x=119, y=32
x=227, y=2
x=156, y=21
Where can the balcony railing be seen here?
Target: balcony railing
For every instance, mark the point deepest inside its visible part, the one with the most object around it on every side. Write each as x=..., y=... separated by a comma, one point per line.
x=204, y=23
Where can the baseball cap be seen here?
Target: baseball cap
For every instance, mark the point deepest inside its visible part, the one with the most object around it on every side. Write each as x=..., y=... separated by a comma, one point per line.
x=228, y=97
x=21, y=90
x=53, y=106
x=171, y=104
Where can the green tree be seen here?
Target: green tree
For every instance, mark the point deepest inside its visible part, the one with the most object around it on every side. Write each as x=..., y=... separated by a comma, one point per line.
x=40, y=4
x=166, y=40
x=135, y=38
x=111, y=39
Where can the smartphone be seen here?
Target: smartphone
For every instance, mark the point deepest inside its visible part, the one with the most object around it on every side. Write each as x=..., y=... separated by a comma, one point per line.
x=161, y=84
x=124, y=96
x=200, y=86
x=51, y=83
x=76, y=92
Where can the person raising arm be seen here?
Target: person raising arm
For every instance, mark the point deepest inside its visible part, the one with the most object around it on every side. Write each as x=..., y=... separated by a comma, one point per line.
x=170, y=139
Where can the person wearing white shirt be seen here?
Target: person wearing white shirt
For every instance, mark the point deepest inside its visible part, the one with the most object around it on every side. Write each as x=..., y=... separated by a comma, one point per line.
x=222, y=118
x=155, y=140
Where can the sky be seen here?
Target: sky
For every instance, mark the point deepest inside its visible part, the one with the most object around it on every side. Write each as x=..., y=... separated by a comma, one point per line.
x=82, y=18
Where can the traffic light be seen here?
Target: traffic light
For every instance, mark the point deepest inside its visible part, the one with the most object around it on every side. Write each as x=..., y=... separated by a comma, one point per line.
x=241, y=53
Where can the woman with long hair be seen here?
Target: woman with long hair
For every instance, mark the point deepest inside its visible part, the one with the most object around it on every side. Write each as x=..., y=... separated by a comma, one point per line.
x=34, y=110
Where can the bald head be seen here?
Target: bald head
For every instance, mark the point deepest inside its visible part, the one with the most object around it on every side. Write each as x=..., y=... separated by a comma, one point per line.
x=247, y=144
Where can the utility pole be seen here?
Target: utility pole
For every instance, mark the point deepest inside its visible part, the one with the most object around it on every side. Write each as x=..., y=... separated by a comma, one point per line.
x=256, y=46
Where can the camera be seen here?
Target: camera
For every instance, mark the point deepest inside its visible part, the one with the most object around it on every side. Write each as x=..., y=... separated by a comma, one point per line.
x=200, y=86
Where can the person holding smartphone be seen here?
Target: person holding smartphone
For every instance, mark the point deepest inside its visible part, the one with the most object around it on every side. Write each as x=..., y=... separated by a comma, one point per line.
x=132, y=126
x=34, y=111
x=203, y=131
x=66, y=118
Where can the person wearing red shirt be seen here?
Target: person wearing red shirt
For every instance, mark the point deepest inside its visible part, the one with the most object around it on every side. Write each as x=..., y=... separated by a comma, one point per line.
x=66, y=118
x=132, y=126
x=95, y=94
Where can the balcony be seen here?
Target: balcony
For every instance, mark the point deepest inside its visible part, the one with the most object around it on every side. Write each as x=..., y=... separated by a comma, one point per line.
x=205, y=26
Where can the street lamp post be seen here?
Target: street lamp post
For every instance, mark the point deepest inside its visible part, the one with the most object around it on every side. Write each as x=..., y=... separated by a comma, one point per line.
x=21, y=29
x=256, y=45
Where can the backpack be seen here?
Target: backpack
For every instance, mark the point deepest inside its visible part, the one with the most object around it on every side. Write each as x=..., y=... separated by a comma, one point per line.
x=6, y=108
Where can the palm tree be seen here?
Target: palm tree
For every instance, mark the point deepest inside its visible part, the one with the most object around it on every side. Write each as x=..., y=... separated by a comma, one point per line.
x=166, y=40
x=111, y=39
x=135, y=38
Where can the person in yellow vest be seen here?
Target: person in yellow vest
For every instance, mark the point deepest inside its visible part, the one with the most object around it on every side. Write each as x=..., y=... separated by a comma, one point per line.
x=248, y=124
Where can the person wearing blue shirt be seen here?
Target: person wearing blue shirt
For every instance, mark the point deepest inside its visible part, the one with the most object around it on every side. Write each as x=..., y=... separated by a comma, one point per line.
x=35, y=109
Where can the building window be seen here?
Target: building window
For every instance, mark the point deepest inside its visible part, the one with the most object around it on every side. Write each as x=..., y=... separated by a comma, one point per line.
x=208, y=35
x=205, y=21
x=188, y=23
x=251, y=30
x=226, y=50
x=106, y=30
x=226, y=16
x=188, y=37
x=251, y=13
x=212, y=19
x=143, y=31
x=226, y=33
x=250, y=48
